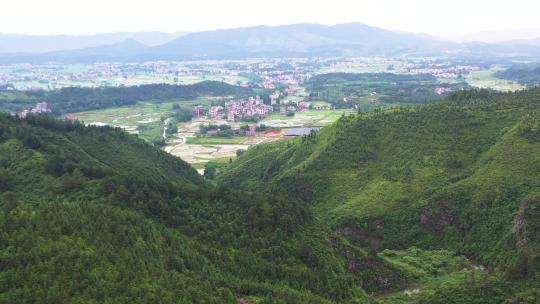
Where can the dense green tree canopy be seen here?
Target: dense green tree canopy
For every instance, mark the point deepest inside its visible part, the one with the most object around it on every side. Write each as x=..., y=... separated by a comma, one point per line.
x=440, y=201
x=73, y=99
x=460, y=175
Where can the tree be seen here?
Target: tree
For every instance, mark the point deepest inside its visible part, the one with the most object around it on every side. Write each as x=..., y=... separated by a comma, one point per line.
x=209, y=172
x=73, y=181
x=172, y=128
x=159, y=142
x=523, y=266
x=240, y=152
x=10, y=201
x=183, y=115
x=6, y=180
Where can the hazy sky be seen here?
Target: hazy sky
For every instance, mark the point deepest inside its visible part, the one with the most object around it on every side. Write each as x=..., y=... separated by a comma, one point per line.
x=448, y=18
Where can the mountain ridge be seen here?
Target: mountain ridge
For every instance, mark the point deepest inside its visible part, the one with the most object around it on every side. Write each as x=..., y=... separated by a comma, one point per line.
x=306, y=39
x=292, y=40
x=21, y=43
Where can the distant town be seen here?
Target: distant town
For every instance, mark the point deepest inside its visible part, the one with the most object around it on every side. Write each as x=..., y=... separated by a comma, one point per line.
x=264, y=73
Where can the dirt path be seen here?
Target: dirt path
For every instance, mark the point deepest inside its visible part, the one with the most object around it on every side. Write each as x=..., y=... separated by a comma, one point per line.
x=183, y=142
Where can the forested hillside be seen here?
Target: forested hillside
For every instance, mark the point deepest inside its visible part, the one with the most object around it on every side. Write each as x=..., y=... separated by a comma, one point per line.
x=528, y=75
x=427, y=204
x=370, y=90
x=95, y=215
x=73, y=99
x=460, y=176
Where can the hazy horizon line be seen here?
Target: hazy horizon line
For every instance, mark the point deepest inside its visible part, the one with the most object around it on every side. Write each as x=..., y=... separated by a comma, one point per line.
x=450, y=37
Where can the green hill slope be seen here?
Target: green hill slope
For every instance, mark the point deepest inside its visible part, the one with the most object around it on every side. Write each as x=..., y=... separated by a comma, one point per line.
x=94, y=215
x=460, y=176
x=430, y=204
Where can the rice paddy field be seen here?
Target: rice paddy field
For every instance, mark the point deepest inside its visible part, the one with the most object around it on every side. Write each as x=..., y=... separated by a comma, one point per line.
x=367, y=67
x=320, y=103
x=311, y=118
x=169, y=79
x=216, y=140
x=145, y=118
x=486, y=79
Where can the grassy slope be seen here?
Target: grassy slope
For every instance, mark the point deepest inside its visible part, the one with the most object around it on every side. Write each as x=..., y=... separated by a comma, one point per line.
x=462, y=177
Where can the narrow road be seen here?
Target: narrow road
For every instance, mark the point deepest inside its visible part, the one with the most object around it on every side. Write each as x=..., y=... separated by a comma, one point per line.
x=183, y=139
x=166, y=122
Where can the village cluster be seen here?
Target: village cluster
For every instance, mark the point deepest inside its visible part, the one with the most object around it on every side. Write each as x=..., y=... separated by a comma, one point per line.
x=265, y=73
x=252, y=109
x=40, y=108
x=446, y=71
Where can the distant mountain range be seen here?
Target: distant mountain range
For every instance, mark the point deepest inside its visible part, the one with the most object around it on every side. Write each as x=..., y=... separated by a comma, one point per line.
x=297, y=40
x=11, y=43
x=501, y=36
x=535, y=42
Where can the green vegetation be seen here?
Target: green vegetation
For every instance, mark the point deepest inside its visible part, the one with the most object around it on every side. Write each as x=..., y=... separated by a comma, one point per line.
x=223, y=131
x=371, y=68
x=214, y=140
x=215, y=166
x=69, y=100
x=528, y=75
x=308, y=118
x=320, y=103
x=146, y=119
x=371, y=90
x=182, y=114
x=459, y=176
x=93, y=214
x=490, y=80
x=436, y=203
x=431, y=270
x=423, y=264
